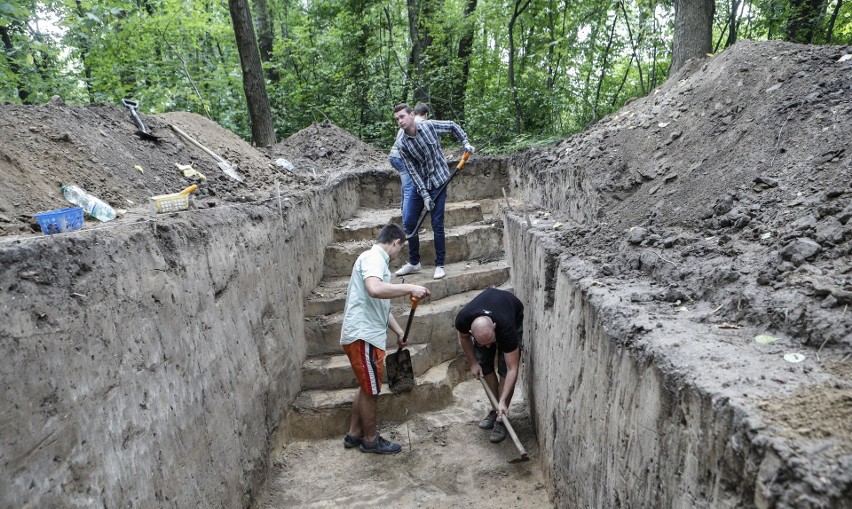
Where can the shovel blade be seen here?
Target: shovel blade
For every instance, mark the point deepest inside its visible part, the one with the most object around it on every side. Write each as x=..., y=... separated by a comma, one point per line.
x=147, y=136
x=230, y=171
x=400, y=371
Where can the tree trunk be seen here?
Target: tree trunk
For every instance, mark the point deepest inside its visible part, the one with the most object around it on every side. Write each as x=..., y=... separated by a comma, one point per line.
x=831, y=21
x=516, y=13
x=84, y=53
x=254, y=85
x=804, y=15
x=459, y=86
x=774, y=17
x=621, y=85
x=23, y=93
x=693, y=33
x=634, y=44
x=420, y=42
x=733, y=24
x=264, y=29
x=356, y=70
x=652, y=76
x=747, y=8
x=552, y=11
x=603, y=68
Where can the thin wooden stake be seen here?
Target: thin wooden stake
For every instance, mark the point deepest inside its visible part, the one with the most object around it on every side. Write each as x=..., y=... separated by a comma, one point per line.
x=506, y=198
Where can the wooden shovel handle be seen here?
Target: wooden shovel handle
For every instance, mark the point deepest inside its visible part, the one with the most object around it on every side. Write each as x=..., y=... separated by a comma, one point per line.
x=414, y=300
x=521, y=450
x=199, y=145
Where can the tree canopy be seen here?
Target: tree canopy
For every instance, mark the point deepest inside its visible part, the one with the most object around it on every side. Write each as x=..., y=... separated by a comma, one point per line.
x=514, y=72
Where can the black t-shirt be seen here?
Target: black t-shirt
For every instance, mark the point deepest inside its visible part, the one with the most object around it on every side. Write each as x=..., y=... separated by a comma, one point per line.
x=503, y=308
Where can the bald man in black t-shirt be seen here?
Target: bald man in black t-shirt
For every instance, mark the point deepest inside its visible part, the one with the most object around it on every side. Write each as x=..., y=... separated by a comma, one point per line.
x=490, y=326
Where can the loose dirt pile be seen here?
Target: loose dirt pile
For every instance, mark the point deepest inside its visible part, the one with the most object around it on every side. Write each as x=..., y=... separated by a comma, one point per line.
x=95, y=147
x=324, y=148
x=731, y=184
x=725, y=197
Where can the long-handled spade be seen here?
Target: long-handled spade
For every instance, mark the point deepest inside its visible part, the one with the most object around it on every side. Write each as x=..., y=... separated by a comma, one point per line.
x=521, y=450
x=143, y=131
x=398, y=364
x=224, y=165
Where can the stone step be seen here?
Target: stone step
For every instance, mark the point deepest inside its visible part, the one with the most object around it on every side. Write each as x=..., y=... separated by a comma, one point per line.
x=329, y=372
x=322, y=413
x=468, y=242
x=329, y=296
x=367, y=223
x=433, y=323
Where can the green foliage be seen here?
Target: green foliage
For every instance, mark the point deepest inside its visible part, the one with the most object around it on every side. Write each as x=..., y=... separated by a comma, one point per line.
x=347, y=61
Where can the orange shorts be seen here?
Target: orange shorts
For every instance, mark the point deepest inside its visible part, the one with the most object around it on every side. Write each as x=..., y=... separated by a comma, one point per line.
x=368, y=363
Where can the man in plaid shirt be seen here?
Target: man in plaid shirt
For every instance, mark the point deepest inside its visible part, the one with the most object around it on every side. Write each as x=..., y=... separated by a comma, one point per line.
x=420, y=150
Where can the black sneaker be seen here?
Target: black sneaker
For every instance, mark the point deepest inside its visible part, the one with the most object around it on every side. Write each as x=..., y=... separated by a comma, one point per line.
x=380, y=446
x=349, y=441
x=488, y=421
x=498, y=434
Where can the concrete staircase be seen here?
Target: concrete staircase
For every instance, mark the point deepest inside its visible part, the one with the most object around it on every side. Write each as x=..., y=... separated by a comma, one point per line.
x=474, y=261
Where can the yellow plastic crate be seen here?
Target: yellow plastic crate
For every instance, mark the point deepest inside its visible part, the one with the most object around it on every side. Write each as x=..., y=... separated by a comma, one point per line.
x=170, y=202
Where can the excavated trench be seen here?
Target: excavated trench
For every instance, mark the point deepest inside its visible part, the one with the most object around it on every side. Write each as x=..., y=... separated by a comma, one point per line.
x=162, y=363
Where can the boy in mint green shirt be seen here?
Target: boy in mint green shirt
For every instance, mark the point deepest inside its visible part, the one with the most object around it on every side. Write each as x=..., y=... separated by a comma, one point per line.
x=366, y=319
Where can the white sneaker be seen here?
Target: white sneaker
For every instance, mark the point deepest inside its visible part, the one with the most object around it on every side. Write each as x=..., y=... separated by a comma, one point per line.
x=439, y=273
x=409, y=269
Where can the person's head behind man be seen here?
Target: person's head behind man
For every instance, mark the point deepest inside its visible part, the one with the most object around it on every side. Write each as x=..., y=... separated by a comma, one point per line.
x=393, y=238
x=421, y=111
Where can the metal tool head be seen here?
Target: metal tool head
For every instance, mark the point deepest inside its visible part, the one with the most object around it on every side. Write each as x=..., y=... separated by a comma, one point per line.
x=400, y=372
x=229, y=170
x=524, y=457
x=130, y=105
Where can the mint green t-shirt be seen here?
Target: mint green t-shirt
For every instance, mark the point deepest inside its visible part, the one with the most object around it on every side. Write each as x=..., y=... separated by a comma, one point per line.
x=365, y=317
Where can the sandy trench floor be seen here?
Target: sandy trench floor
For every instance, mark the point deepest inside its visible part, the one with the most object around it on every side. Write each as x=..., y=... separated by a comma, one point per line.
x=446, y=461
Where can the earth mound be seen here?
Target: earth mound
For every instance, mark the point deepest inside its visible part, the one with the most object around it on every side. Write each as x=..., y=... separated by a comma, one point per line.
x=730, y=185
x=97, y=147
x=326, y=148
x=722, y=202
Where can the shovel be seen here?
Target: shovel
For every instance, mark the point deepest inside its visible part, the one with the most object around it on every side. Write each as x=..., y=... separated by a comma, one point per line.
x=521, y=450
x=441, y=189
x=398, y=364
x=224, y=165
x=143, y=131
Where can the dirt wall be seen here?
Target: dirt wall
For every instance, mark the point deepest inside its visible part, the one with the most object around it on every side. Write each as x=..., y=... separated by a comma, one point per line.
x=147, y=364
x=633, y=413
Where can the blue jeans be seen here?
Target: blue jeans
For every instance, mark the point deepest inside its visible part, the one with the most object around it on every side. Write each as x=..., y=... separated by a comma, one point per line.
x=404, y=177
x=411, y=211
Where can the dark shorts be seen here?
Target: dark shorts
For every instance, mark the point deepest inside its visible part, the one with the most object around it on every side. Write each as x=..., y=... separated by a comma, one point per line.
x=485, y=355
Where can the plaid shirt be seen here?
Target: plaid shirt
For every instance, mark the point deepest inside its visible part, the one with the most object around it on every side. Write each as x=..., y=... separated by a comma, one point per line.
x=423, y=156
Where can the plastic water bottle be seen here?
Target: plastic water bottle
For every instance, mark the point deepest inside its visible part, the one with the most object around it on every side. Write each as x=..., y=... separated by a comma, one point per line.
x=93, y=206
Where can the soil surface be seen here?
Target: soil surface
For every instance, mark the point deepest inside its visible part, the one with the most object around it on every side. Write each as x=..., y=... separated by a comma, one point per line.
x=731, y=184
x=446, y=461
x=722, y=201
x=727, y=190
x=724, y=198
x=97, y=148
